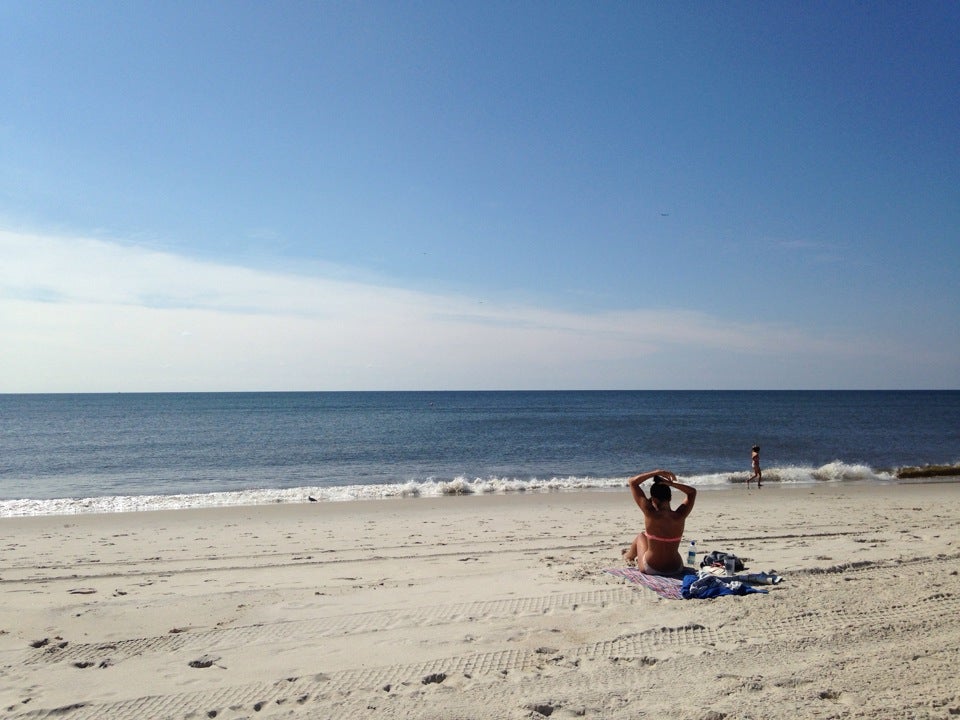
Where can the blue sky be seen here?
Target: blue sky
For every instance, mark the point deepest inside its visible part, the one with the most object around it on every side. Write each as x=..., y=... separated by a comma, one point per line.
x=440, y=195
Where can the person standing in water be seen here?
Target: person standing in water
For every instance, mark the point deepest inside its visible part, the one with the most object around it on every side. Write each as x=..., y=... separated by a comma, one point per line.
x=755, y=459
x=656, y=549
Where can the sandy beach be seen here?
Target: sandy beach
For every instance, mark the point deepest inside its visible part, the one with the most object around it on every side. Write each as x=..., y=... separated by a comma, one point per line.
x=484, y=607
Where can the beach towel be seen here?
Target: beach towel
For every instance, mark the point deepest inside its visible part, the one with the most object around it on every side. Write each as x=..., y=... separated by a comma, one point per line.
x=665, y=587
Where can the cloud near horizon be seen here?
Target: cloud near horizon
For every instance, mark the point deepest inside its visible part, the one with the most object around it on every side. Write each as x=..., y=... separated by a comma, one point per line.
x=85, y=315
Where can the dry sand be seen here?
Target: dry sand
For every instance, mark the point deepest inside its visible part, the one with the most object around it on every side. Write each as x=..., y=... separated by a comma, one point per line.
x=483, y=607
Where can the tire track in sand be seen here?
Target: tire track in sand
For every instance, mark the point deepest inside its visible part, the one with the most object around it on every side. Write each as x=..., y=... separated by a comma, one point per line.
x=379, y=621
x=337, y=687
x=335, y=626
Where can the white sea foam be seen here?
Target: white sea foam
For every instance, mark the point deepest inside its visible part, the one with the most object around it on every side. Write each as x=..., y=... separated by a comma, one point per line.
x=835, y=471
x=831, y=472
x=838, y=470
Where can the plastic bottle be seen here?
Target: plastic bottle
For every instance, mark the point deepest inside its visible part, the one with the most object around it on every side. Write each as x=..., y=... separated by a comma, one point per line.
x=692, y=553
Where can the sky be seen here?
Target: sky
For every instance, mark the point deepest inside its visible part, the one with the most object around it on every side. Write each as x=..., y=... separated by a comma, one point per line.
x=229, y=196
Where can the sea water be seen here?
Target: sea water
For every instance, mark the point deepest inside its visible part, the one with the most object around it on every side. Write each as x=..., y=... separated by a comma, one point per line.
x=102, y=453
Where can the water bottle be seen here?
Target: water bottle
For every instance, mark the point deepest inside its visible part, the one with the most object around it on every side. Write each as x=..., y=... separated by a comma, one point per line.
x=692, y=553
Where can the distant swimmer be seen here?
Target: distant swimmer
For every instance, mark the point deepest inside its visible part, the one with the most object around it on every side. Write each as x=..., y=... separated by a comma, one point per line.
x=755, y=460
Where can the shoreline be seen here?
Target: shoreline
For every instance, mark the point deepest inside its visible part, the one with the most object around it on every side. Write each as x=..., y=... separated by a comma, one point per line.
x=487, y=606
x=111, y=504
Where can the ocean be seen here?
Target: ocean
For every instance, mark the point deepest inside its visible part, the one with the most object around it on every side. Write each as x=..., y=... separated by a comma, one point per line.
x=63, y=454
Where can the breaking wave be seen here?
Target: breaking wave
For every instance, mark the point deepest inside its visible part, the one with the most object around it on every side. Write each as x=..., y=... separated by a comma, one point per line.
x=836, y=471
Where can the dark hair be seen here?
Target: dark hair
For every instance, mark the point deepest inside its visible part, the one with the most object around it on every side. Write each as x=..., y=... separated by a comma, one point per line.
x=756, y=448
x=660, y=491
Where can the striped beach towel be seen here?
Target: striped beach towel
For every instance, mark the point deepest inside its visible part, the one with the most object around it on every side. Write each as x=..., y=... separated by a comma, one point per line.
x=665, y=587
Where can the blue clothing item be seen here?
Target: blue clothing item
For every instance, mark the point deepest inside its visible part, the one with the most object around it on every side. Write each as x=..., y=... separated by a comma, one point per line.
x=711, y=586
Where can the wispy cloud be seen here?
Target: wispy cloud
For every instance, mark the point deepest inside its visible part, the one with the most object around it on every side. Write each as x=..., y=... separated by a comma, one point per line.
x=82, y=314
x=801, y=245
x=815, y=251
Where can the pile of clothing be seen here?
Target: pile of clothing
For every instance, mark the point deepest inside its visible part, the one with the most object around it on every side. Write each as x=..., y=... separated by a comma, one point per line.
x=719, y=559
x=715, y=579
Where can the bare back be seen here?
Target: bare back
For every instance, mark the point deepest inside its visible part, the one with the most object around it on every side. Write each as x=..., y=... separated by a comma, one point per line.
x=664, y=530
x=658, y=545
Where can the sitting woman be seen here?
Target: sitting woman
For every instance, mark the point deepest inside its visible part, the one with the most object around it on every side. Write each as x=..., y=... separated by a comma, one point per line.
x=656, y=549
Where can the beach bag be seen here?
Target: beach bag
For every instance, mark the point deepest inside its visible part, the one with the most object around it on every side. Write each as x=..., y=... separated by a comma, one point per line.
x=718, y=558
